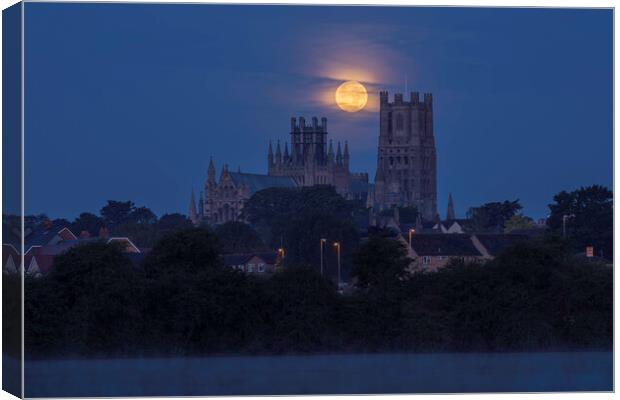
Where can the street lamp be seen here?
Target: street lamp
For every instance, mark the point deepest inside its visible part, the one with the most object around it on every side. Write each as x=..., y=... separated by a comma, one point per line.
x=337, y=246
x=564, y=218
x=281, y=252
x=322, y=244
x=411, y=232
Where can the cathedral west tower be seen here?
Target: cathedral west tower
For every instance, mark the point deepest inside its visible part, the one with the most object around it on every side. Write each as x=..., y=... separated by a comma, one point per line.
x=406, y=160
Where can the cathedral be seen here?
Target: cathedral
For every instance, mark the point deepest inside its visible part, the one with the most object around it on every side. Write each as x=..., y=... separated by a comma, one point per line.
x=406, y=172
x=310, y=161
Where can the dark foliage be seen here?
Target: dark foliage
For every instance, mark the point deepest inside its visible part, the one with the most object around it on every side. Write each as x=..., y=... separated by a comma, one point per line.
x=238, y=237
x=589, y=218
x=89, y=303
x=297, y=220
x=492, y=217
x=87, y=222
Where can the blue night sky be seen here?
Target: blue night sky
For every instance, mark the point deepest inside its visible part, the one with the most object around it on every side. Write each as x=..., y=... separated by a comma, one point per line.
x=128, y=102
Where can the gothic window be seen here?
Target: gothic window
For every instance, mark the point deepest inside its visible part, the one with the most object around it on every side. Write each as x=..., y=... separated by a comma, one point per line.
x=399, y=122
x=391, y=160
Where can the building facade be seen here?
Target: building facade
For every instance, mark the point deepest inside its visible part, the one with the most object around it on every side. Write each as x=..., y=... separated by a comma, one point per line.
x=310, y=161
x=406, y=158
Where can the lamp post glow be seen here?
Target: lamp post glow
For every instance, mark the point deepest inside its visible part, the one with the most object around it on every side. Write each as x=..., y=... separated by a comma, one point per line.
x=322, y=243
x=411, y=232
x=337, y=246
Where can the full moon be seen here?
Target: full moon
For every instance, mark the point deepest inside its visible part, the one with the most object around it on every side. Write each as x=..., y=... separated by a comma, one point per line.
x=351, y=96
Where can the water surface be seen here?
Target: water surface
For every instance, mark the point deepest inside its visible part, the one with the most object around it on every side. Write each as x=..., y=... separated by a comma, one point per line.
x=322, y=374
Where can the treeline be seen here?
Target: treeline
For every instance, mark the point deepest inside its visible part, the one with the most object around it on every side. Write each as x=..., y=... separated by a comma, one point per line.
x=183, y=301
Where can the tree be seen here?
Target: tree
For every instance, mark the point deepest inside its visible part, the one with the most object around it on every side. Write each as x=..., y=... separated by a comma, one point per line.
x=116, y=212
x=87, y=222
x=173, y=222
x=519, y=221
x=302, y=236
x=238, y=237
x=143, y=216
x=588, y=215
x=187, y=252
x=93, y=288
x=492, y=216
x=300, y=311
x=381, y=263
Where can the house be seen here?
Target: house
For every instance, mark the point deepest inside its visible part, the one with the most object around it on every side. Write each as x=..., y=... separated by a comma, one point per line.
x=492, y=244
x=451, y=226
x=431, y=252
x=46, y=241
x=254, y=263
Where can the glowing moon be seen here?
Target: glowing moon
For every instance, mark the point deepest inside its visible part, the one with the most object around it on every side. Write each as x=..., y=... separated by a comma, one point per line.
x=351, y=96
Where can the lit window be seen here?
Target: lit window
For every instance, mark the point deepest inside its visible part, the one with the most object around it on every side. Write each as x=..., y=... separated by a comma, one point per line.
x=250, y=267
x=426, y=260
x=261, y=267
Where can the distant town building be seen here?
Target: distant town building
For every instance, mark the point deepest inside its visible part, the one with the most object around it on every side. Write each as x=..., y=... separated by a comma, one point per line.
x=46, y=241
x=254, y=263
x=430, y=252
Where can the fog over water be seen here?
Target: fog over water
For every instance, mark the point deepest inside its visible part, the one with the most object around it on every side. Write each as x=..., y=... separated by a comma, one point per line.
x=322, y=374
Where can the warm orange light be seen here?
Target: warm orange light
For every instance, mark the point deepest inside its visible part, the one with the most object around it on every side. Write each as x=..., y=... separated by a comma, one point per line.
x=351, y=96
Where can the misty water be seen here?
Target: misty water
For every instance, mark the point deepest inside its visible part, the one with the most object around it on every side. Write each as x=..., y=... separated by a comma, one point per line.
x=322, y=374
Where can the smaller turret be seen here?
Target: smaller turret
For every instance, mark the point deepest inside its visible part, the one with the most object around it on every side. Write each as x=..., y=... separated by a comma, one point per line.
x=346, y=154
x=286, y=155
x=450, y=211
x=201, y=206
x=383, y=97
x=270, y=157
x=428, y=101
x=339, y=155
x=330, y=153
x=193, y=215
x=278, y=154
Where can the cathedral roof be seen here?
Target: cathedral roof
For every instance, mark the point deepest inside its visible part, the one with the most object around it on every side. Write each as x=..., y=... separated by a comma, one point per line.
x=258, y=182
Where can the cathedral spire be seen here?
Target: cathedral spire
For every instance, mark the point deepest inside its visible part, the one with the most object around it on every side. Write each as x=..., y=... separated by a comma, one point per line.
x=346, y=154
x=330, y=153
x=211, y=172
x=339, y=155
x=278, y=154
x=201, y=206
x=450, y=212
x=286, y=155
x=193, y=215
